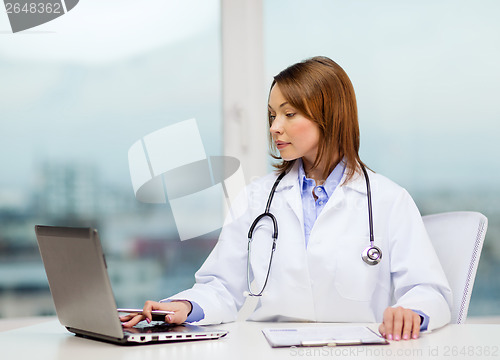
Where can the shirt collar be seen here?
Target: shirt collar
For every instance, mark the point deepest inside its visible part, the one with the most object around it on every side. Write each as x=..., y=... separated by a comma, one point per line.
x=331, y=182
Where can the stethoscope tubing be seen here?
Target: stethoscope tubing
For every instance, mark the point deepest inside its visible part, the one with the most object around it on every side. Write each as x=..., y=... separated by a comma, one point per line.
x=371, y=255
x=369, y=196
x=266, y=213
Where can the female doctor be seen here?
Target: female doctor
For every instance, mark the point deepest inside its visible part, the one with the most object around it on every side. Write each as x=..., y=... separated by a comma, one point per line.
x=333, y=260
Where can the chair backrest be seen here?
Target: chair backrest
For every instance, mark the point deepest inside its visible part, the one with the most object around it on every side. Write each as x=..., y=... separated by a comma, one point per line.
x=458, y=239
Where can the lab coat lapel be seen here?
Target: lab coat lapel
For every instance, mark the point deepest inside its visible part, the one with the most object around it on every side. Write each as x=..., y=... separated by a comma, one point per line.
x=289, y=186
x=336, y=200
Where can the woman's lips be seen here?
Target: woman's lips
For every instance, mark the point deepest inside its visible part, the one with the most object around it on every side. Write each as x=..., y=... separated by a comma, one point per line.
x=281, y=144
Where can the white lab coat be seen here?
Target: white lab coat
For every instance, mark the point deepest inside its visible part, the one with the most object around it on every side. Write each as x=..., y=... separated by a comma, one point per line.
x=326, y=281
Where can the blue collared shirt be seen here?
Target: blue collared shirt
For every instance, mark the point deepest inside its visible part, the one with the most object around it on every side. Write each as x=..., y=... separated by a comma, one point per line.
x=308, y=188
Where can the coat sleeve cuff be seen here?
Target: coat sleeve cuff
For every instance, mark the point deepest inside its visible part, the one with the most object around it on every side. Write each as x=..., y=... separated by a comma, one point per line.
x=196, y=314
x=424, y=320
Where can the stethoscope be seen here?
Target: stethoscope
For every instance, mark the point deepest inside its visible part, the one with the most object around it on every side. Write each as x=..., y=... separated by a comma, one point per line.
x=370, y=255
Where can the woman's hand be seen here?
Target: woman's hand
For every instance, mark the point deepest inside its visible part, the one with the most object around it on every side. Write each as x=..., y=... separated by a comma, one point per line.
x=400, y=323
x=181, y=309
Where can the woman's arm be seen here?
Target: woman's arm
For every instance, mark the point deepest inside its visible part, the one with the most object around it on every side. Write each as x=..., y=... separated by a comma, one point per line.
x=418, y=278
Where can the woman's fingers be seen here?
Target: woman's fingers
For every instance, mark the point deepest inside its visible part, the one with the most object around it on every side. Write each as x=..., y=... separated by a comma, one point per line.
x=388, y=322
x=132, y=320
x=397, y=325
x=180, y=309
x=400, y=323
x=416, y=326
x=148, y=307
x=127, y=317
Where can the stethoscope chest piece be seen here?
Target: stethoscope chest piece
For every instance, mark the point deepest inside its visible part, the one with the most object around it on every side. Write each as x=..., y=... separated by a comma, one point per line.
x=372, y=255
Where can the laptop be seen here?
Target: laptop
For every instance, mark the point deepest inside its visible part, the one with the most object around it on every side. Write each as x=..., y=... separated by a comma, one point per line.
x=84, y=301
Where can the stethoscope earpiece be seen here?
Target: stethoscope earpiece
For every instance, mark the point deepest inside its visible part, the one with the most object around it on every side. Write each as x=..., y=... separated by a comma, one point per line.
x=372, y=255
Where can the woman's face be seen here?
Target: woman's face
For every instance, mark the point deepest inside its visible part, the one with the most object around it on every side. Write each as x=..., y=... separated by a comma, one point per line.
x=295, y=135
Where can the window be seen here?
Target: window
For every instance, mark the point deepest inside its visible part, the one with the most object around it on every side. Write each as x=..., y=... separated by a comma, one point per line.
x=426, y=81
x=74, y=96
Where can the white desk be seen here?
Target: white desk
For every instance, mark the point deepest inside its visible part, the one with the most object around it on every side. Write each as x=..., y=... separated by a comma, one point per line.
x=49, y=340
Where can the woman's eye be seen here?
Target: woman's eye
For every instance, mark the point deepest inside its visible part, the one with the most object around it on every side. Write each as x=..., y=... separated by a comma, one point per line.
x=272, y=117
x=290, y=115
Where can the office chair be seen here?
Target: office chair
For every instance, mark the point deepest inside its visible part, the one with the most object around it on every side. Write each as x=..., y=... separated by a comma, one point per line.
x=458, y=239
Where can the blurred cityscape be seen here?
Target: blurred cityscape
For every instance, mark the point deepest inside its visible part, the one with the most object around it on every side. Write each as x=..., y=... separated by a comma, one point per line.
x=485, y=299
x=146, y=259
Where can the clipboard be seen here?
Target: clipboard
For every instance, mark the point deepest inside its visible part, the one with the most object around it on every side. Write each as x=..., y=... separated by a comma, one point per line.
x=323, y=336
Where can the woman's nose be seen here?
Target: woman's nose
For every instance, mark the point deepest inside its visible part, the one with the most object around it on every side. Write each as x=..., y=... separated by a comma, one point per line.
x=276, y=126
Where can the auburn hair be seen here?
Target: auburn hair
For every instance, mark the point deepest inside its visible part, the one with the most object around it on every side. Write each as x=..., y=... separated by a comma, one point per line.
x=321, y=90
